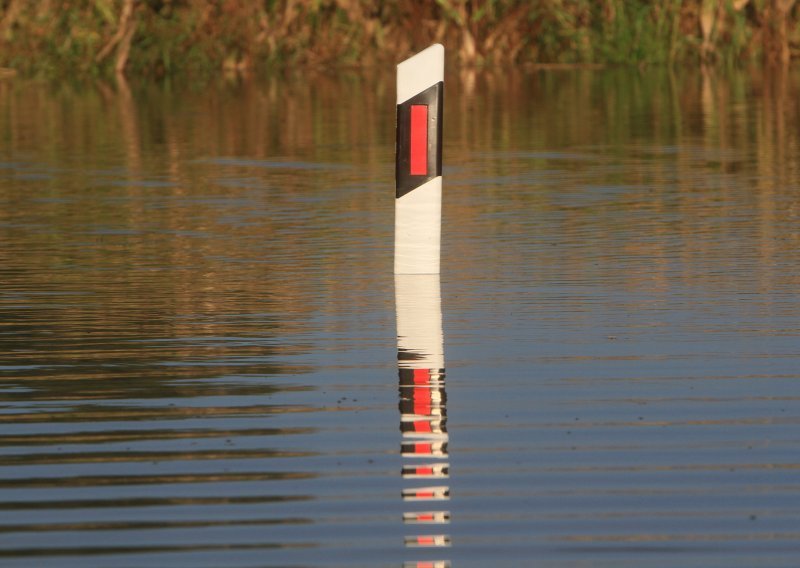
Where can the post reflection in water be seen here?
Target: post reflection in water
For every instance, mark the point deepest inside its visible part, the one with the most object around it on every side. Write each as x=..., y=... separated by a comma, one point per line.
x=423, y=413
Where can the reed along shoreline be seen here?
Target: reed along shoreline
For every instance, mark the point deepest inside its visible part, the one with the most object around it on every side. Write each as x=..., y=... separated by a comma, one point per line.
x=165, y=37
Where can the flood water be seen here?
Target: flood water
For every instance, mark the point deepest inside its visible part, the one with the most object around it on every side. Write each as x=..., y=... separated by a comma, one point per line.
x=199, y=325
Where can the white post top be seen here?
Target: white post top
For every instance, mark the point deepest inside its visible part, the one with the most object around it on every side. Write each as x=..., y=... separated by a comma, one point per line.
x=419, y=72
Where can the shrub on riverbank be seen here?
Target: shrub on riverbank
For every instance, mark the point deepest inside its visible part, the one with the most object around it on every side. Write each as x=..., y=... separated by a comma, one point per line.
x=158, y=37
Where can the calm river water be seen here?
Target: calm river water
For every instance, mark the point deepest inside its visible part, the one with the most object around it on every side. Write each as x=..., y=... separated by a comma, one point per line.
x=198, y=325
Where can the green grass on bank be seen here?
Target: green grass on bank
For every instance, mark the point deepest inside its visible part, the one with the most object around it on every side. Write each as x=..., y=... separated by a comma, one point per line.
x=163, y=37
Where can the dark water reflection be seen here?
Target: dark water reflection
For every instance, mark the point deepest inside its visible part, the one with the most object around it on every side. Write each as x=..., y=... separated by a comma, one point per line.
x=197, y=323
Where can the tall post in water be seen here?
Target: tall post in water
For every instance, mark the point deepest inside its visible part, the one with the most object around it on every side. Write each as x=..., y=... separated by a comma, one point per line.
x=420, y=345
x=418, y=195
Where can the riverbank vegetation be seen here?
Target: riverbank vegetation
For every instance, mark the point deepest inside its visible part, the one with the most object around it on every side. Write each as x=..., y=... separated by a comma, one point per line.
x=163, y=37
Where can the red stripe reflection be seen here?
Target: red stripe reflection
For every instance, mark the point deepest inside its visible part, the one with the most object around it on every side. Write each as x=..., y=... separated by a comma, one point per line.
x=421, y=376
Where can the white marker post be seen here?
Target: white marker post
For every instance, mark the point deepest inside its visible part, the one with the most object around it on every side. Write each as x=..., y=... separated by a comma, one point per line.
x=418, y=203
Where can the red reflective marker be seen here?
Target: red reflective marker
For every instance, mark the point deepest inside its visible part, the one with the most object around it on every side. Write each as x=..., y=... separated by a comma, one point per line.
x=419, y=140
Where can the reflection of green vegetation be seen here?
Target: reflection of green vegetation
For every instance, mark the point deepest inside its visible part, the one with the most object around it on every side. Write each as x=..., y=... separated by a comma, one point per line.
x=683, y=168
x=157, y=37
x=630, y=129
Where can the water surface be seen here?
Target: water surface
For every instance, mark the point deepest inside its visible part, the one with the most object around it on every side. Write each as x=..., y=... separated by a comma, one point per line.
x=198, y=325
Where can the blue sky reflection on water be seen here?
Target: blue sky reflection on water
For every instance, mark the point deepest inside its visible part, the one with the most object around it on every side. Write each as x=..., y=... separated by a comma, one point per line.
x=198, y=349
